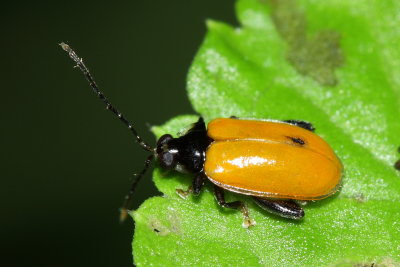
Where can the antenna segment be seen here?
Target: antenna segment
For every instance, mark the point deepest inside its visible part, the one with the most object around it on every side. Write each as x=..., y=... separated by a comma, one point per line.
x=109, y=106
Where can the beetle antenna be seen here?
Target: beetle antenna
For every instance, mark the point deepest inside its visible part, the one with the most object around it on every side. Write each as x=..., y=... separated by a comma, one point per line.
x=128, y=197
x=89, y=77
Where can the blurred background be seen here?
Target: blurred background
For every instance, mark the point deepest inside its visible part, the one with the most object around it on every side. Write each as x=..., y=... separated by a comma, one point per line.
x=67, y=162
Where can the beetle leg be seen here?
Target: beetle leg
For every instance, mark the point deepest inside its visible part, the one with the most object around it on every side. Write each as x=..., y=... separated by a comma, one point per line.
x=233, y=117
x=195, y=188
x=238, y=205
x=302, y=124
x=284, y=208
x=184, y=193
x=198, y=183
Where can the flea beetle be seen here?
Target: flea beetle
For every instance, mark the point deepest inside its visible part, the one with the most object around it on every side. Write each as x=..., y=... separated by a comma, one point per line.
x=277, y=163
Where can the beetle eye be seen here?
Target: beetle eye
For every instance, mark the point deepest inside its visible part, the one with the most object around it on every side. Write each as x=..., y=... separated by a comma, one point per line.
x=164, y=139
x=167, y=160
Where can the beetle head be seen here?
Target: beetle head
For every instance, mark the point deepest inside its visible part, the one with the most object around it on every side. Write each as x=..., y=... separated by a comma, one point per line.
x=166, y=154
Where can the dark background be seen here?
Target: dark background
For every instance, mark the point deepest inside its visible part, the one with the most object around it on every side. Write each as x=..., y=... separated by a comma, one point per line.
x=66, y=161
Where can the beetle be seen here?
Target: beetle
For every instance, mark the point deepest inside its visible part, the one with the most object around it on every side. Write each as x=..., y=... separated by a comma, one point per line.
x=277, y=163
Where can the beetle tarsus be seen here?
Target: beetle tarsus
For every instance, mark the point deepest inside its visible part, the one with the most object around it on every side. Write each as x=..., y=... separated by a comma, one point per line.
x=184, y=193
x=195, y=188
x=247, y=221
x=238, y=205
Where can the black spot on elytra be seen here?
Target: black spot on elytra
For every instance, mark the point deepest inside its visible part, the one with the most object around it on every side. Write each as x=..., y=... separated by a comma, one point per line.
x=297, y=140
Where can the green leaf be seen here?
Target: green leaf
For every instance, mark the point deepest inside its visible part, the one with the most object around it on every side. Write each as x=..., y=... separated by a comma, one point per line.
x=335, y=63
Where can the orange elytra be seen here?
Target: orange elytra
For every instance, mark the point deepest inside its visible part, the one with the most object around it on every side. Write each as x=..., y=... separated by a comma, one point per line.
x=275, y=162
x=271, y=159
